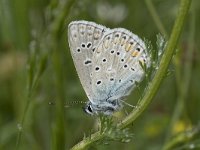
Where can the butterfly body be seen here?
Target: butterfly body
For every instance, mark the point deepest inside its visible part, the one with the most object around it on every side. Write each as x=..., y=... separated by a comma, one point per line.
x=108, y=63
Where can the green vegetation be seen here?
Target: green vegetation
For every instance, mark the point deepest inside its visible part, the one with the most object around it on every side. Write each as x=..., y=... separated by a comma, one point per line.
x=36, y=69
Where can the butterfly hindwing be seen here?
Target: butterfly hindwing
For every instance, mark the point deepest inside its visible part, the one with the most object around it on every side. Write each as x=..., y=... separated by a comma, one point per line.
x=116, y=65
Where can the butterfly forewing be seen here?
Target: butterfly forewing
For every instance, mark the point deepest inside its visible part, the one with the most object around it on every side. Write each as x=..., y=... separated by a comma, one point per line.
x=83, y=36
x=116, y=65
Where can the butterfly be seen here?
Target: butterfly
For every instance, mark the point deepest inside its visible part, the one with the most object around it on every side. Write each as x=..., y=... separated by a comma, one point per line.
x=108, y=63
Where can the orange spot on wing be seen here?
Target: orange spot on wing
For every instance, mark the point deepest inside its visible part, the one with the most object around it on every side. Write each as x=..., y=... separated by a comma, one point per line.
x=116, y=40
x=135, y=53
x=106, y=43
x=128, y=47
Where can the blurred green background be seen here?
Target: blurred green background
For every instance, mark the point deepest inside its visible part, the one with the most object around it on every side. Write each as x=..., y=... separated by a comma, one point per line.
x=36, y=68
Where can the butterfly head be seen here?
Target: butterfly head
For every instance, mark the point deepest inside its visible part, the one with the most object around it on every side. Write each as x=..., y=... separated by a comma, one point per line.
x=88, y=108
x=105, y=108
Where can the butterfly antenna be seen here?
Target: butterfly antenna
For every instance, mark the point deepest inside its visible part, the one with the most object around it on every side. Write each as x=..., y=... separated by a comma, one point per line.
x=69, y=104
x=72, y=103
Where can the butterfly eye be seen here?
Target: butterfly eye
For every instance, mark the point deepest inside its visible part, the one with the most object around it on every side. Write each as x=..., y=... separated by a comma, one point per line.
x=89, y=109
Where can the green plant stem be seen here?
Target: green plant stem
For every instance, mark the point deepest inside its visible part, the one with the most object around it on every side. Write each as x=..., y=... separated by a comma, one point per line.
x=63, y=9
x=183, y=137
x=21, y=124
x=59, y=126
x=54, y=35
x=58, y=136
x=186, y=76
x=31, y=88
x=164, y=63
x=84, y=144
x=154, y=85
x=156, y=17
